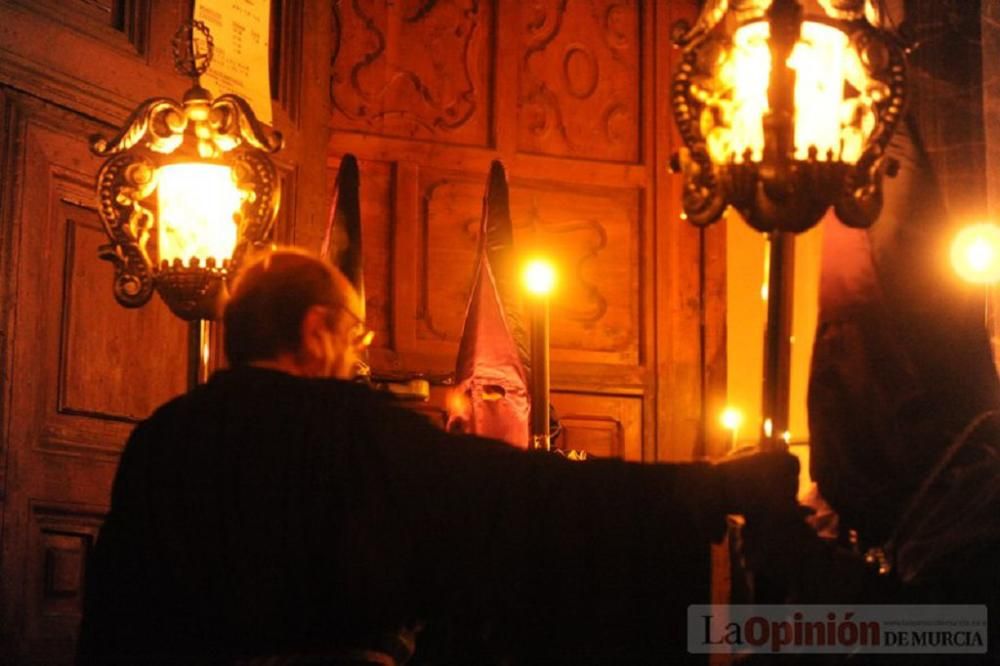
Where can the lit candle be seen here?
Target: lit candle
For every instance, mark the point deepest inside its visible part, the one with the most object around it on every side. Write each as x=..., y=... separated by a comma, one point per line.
x=539, y=279
x=732, y=419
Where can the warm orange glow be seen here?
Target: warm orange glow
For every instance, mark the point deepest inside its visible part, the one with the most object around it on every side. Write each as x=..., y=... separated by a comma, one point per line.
x=975, y=253
x=197, y=205
x=539, y=277
x=731, y=418
x=823, y=60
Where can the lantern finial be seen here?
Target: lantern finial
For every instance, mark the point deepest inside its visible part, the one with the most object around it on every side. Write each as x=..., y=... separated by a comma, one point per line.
x=193, y=49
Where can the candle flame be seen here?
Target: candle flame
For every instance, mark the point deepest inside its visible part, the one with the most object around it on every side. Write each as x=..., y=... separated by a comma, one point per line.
x=975, y=253
x=539, y=277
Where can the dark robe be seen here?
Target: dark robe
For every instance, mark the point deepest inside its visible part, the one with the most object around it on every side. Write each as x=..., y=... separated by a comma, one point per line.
x=902, y=361
x=265, y=514
x=904, y=393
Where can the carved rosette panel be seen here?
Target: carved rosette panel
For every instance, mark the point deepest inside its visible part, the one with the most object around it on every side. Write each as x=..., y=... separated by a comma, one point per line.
x=413, y=68
x=592, y=236
x=580, y=77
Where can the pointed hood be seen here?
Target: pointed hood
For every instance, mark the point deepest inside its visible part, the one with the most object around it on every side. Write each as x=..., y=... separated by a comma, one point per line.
x=491, y=394
x=342, y=240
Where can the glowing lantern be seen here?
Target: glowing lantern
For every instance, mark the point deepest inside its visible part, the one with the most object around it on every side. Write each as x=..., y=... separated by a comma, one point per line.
x=784, y=115
x=187, y=190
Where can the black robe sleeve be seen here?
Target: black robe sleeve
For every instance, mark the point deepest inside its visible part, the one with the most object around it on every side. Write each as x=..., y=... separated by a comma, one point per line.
x=266, y=515
x=600, y=556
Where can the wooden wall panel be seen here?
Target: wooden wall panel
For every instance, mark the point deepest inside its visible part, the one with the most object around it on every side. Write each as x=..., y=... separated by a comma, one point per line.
x=123, y=24
x=605, y=426
x=106, y=369
x=92, y=364
x=591, y=235
x=414, y=69
x=65, y=291
x=65, y=53
x=581, y=79
x=57, y=458
x=287, y=24
x=61, y=537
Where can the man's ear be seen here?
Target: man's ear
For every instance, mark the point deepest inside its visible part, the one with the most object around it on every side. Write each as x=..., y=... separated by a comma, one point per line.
x=313, y=324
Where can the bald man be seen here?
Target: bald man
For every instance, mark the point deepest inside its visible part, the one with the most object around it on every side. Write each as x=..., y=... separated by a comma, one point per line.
x=281, y=514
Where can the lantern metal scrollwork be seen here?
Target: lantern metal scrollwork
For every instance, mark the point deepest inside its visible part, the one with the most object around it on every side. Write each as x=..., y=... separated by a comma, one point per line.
x=785, y=114
x=216, y=191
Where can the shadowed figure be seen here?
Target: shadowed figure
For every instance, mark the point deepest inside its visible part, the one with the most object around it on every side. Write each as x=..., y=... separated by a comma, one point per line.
x=282, y=513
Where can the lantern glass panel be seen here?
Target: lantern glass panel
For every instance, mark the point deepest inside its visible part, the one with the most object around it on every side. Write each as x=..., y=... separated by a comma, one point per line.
x=198, y=204
x=818, y=60
x=823, y=61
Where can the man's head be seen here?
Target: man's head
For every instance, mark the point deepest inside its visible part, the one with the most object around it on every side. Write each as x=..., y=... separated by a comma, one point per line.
x=291, y=311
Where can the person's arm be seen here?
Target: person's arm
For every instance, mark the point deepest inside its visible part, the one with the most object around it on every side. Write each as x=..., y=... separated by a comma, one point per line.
x=595, y=544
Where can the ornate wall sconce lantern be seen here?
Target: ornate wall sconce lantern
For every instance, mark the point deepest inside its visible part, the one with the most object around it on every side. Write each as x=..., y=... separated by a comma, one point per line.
x=186, y=191
x=784, y=113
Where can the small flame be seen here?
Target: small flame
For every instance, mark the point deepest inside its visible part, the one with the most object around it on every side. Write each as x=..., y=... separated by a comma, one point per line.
x=975, y=253
x=539, y=277
x=732, y=418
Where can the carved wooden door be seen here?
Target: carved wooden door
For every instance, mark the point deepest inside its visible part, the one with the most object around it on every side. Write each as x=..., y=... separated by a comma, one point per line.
x=78, y=370
x=573, y=96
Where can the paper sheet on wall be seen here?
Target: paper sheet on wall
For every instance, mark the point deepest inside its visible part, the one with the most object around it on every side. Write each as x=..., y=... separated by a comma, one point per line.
x=241, y=31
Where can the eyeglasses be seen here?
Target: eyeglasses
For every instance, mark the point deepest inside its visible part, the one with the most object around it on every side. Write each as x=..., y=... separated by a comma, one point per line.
x=359, y=335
